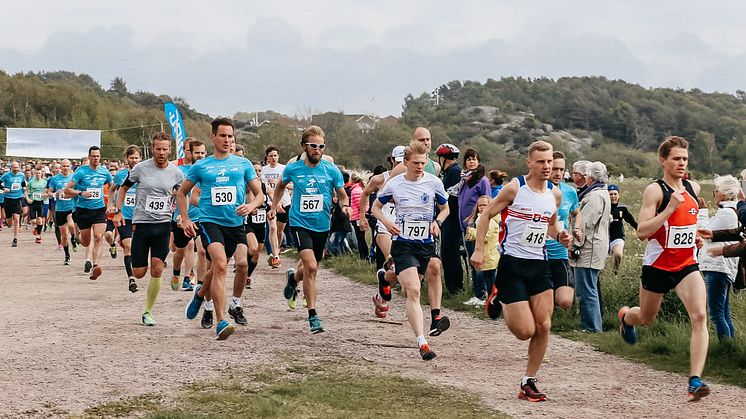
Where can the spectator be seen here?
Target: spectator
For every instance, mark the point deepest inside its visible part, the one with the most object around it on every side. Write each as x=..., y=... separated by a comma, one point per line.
x=450, y=232
x=356, y=190
x=592, y=247
x=496, y=177
x=482, y=280
x=473, y=185
x=578, y=174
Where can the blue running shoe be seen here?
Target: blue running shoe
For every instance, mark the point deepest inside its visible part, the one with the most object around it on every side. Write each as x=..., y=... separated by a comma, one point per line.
x=290, y=284
x=629, y=333
x=195, y=303
x=187, y=284
x=224, y=330
x=696, y=390
x=315, y=323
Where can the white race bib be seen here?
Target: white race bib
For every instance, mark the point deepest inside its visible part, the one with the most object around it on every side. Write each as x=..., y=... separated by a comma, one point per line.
x=129, y=200
x=260, y=217
x=415, y=230
x=389, y=211
x=95, y=193
x=36, y=196
x=311, y=203
x=157, y=204
x=534, y=235
x=681, y=237
x=223, y=195
x=15, y=186
x=61, y=196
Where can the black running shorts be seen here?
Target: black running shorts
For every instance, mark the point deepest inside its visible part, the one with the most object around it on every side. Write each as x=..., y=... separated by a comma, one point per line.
x=660, y=281
x=306, y=239
x=109, y=225
x=229, y=237
x=562, y=273
x=125, y=230
x=412, y=255
x=149, y=240
x=519, y=279
x=282, y=217
x=13, y=206
x=60, y=217
x=36, y=210
x=181, y=240
x=257, y=229
x=85, y=217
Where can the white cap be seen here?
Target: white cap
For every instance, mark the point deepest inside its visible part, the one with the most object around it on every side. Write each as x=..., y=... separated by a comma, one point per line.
x=398, y=153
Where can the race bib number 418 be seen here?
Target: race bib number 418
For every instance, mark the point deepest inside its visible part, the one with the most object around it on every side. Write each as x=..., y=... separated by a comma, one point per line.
x=534, y=236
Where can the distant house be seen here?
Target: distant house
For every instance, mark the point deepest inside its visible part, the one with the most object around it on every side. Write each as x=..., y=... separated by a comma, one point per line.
x=368, y=122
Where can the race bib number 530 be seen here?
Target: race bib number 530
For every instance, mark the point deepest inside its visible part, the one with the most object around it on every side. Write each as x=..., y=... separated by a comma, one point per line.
x=681, y=237
x=223, y=195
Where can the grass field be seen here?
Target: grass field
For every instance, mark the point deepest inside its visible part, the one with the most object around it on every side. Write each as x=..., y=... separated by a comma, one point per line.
x=664, y=345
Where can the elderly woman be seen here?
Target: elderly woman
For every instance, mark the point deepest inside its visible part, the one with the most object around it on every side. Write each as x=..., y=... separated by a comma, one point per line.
x=592, y=246
x=720, y=272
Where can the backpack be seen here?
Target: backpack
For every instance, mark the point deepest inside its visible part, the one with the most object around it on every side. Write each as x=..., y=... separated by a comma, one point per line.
x=668, y=191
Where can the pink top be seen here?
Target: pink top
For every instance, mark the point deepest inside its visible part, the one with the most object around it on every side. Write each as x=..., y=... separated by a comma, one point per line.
x=355, y=193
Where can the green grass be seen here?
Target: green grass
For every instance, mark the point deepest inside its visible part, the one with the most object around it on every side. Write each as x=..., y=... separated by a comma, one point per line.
x=328, y=391
x=664, y=345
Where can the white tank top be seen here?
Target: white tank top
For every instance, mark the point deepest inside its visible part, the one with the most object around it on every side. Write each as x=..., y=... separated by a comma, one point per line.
x=526, y=222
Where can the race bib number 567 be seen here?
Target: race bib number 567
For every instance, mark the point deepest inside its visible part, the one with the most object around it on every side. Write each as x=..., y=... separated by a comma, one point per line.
x=311, y=203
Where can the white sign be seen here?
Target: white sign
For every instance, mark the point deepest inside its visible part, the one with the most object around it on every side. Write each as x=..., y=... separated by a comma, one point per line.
x=51, y=143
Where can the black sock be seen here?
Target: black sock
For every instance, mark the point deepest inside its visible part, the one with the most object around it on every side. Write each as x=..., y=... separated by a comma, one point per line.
x=67, y=251
x=73, y=241
x=177, y=272
x=38, y=229
x=434, y=313
x=128, y=265
x=252, y=266
x=311, y=312
x=58, y=235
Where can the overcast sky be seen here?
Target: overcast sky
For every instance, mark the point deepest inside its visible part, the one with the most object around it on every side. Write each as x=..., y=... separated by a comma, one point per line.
x=365, y=56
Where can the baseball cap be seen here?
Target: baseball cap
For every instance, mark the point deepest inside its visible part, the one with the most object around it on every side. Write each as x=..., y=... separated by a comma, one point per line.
x=613, y=187
x=398, y=153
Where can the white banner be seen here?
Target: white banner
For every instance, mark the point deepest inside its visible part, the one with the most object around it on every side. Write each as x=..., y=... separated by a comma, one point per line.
x=51, y=143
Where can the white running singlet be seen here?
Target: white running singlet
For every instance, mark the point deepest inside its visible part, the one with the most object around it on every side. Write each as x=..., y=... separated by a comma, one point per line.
x=526, y=222
x=389, y=210
x=415, y=205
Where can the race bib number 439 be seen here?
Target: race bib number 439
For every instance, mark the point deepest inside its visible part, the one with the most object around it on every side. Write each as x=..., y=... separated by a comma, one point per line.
x=534, y=236
x=157, y=204
x=223, y=195
x=311, y=203
x=681, y=237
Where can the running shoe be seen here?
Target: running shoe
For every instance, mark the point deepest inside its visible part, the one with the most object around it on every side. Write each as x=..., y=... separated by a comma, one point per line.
x=473, y=301
x=59, y=247
x=206, y=319
x=696, y=389
x=629, y=333
x=293, y=301
x=530, y=392
x=33, y=230
x=426, y=353
x=315, y=323
x=175, y=283
x=381, y=306
x=195, y=303
x=224, y=330
x=384, y=288
x=290, y=284
x=75, y=248
x=132, y=285
x=95, y=273
x=248, y=283
x=274, y=262
x=493, y=306
x=238, y=316
x=439, y=325
x=389, y=264
x=113, y=251
x=38, y=240
x=15, y=243
x=187, y=284
x=147, y=319
x=87, y=267
x=67, y=261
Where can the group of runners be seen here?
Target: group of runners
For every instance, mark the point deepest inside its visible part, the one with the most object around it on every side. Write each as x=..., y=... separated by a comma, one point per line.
x=219, y=207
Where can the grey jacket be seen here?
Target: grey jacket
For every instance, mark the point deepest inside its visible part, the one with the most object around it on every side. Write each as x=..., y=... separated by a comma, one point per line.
x=594, y=248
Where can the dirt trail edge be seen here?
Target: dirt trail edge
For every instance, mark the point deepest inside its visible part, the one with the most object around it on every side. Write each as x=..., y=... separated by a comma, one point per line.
x=68, y=343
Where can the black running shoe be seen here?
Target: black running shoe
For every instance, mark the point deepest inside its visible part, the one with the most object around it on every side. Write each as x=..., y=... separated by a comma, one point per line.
x=87, y=267
x=426, y=353
x=493, y=306
x=67, y=261
x=237, y=314
x=207, y=319
x=530, y=392
x=15, y=243
x=439, y=325
x=384, y=288
x=133, y=285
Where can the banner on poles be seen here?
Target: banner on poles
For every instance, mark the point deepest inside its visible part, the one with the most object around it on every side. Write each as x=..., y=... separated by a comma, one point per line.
x=177, y=128
x=49, y=143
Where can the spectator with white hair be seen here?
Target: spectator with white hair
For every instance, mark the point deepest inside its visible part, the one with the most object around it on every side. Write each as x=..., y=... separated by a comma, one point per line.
x=578, y=174
x=590, y=248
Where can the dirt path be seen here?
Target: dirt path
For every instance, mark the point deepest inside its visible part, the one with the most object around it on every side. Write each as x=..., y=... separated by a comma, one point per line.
x=67, y=343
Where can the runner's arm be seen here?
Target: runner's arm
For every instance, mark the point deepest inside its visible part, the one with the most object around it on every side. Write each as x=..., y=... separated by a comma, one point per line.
x=377, y=212
x=70, y=191
x=255, y=187
x=649, y=222
x=496, y=206
x=194, y=197
x=277, y=195
x=371, y=187
x=182, y=201
x=344, y=201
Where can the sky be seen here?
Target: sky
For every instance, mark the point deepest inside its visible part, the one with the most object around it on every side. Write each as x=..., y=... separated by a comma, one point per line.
x=297, y=57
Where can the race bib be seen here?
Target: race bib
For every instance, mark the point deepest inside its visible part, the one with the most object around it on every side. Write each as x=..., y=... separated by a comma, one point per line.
x=311, y=203
x=389, y=211
x=61, y=196
x=415, y=230
x=260, y=217
x=681, y=237
x=223, y=195
x=15, y=186
x=95, y=193
x=129, y=200
x=157, y=204
x=36, y=196
x=534, y=235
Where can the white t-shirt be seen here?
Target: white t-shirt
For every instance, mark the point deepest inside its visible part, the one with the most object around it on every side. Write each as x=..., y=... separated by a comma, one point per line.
x=271, y=176
x=415, y=205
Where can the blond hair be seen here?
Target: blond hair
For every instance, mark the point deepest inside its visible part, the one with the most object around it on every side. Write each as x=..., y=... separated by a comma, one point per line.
x=415, y=148
x=538, y=146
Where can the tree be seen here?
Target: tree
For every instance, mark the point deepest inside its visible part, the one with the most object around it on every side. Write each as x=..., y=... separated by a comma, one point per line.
x=118, y=87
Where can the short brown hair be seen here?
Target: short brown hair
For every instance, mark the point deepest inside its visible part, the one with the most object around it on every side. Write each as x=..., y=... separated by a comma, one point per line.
x=558, y=155
x=195, y=142
x=670, y=142
x=160, y=136
x=132, y=149
x=415, y=147
x=217, y=122
x=538, y=146
x=311, y=131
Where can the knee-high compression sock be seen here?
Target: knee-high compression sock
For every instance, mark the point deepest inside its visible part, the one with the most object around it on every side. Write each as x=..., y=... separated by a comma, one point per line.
x=58, y=234
x=67, y=251
x=38, y=229
x=252, y=266
x=128, y=265
x=154, y=287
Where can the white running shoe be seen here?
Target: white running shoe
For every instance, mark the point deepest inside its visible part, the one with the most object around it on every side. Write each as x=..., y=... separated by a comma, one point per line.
x=473, y=301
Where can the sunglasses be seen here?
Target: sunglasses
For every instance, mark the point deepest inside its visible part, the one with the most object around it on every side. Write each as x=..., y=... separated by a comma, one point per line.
x=314, y=146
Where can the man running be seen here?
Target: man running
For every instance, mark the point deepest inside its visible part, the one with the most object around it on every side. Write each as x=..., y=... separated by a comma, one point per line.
x=415, y=194
x=88, y=185
x=63, y=213
x=668, y=220
x=271, y=174
x=14, y=188
x=224, y=180
x=131, y=158
x=36, y=192
x=528, y=205
x=314, y=182
x=619, y=214
x=156, y=180
x=184, y=245
x=255, y=226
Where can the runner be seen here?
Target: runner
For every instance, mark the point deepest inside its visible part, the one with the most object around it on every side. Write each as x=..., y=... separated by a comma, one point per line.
x=271, y=174
x=111, y=234
x=528, y=206
x=415, y=194
x=36, y=192
x=223, y=179
x=14, y=188
x=255, y=226
x=184, y=245
x=90, y=211
x=314, y=181
x=63, y=214
x=156, y=180
x=619, y=214
x=131, y=158
x=668, y=220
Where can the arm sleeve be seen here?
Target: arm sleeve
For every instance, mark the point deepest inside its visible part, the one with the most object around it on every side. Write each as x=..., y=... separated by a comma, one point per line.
x=629, y=218
x=250, y=173
x=440, y=193
x=386, y=194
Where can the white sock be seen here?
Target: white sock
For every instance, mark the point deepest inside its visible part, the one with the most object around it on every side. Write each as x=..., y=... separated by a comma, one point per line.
x=235, y=302
x=524, y=380
x=421, y=340
x=209, y=306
